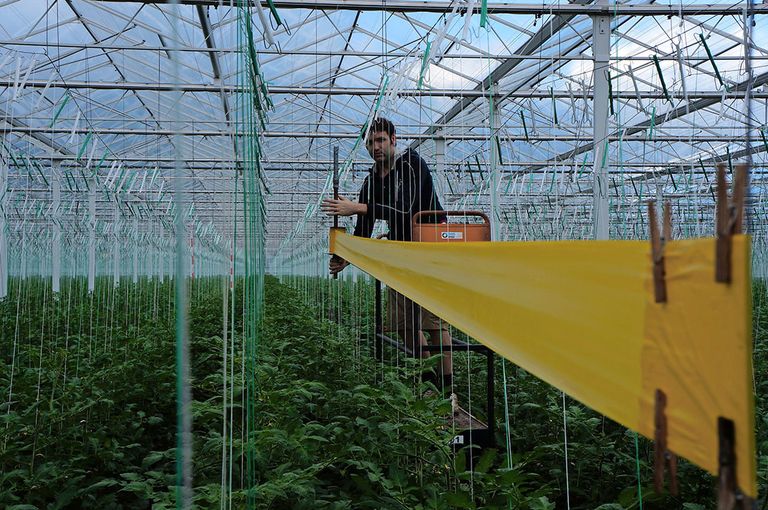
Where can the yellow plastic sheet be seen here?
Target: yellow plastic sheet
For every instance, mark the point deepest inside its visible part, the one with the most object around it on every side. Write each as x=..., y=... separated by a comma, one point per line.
x=581, y=316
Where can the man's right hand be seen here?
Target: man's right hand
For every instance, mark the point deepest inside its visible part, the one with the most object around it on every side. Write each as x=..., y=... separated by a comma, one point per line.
x=337, y=264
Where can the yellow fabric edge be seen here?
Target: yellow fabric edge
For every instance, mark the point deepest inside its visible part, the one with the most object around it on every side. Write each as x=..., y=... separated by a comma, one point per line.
x=684, y=276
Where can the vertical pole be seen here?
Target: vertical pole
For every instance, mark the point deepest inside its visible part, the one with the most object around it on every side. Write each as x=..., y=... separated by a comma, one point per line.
x=24, y=257
x=116, y=245
x=161, y=264
x=379, y=324
x=136, y=249
x=3, y=234
x=56, y=234
x=155, y=253
x=92, y=239
x=440, y=156
x=440, y=176
x=232, y=265
x=335, y=191
x=192, y=253
x=493, y=189
x=490, y=393
x=601, y=48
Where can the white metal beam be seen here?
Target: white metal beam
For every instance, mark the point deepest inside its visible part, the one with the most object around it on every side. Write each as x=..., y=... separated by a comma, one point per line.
x=601, y=40
x=498, y=7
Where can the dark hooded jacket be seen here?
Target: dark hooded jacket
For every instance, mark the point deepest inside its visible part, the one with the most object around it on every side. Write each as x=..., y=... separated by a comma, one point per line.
x=406, y=190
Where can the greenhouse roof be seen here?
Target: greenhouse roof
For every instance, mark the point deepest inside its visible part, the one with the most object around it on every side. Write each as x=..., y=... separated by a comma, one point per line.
x=498, y=98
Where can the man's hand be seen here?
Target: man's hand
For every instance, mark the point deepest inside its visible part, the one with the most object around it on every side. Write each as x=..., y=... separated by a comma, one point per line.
x=342, y=207
x=337, y=264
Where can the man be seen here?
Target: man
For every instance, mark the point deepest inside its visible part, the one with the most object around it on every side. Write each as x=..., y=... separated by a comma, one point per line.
x=396, y=189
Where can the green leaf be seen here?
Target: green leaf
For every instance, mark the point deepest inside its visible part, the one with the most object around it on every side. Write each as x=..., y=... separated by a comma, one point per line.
x=460, y=499
x=486, y=460
x=154, y=420
x=460, y=462
x=107, y=482
x=541, y=503
x=151, y=459
x=137, y=487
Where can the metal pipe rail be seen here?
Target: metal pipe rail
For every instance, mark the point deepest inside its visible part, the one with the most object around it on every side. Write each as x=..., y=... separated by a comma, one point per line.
x=496, y=7
x=287, y=52
x=373, y=91
x=635, y=137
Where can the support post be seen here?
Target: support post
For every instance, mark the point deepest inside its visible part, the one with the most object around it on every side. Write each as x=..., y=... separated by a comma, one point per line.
x=23, y=256
x=490, y=393
x=161, y=265
x=92, y=238
x=136, y=249
x=493, y=189
x=379, y=323
x=3, y=233
x=335, y=258
x=56, y=234
x=192, y=253
x=601, y=48
x=116, y=245
x=440, y=177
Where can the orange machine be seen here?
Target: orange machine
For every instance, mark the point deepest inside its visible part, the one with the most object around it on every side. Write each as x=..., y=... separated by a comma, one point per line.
x=451, y=232
x=473, y=430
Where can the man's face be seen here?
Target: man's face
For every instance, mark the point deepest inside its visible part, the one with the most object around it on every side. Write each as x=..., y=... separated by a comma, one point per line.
x=381, y=146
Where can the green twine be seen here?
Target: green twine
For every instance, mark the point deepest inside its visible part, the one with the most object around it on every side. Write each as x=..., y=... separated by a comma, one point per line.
x=653, y=124
x=712, y=61
x=583, y=166
x=509, y=183
x=87, y=186
x=637, y=466
x=610, y=93
x=701, y=164
x=274, y=12
x=484, y=13
x=40, y=171
x=525, y=128
x=84, y=145
x=661, y=77
x=101, y=161
x=424, y=64
x=59, y=109
x=554, y=105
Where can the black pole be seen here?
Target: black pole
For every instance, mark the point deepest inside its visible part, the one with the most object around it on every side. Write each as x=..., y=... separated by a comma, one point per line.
x=335, y=193
x=335, y=180
x=491, y=387
x=379, y=327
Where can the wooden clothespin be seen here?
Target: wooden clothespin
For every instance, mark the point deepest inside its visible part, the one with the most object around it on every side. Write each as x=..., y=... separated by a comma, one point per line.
x=729, y=218
x=662, y=457
x=729, y=497
x=657, y=249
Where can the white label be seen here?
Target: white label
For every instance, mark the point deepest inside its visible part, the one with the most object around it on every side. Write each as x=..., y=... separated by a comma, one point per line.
x=452, y=235
x=457, y=439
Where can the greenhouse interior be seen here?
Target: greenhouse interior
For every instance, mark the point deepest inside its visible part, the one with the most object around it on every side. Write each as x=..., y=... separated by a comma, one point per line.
x=388, y=254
